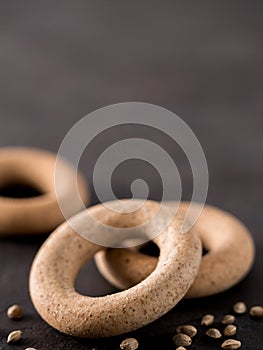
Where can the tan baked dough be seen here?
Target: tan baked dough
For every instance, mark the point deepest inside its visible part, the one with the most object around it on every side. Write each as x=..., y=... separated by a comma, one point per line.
x=35, y=168
x=229, y=258
x=59, y=260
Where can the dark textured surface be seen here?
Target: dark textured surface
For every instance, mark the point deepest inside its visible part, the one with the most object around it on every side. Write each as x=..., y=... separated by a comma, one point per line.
x=59, y=60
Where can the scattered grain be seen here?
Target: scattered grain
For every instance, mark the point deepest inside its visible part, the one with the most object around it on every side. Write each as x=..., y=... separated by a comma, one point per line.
x=14, y=336
x=208, y=320
x=240, y=307
x=15, y=312
x=187, y=329
x=231, y=344
x=256, y=311
x=182, y=340
x=228, y=319
x=213, y=333
x=230, y=330
x=129, y=344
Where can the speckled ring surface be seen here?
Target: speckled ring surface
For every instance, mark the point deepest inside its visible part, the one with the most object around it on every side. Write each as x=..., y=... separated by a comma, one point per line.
x=230, y=255
x=34, y=168
x=59, y=260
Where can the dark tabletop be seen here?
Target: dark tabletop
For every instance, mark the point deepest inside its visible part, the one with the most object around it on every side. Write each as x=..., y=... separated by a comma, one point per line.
x=60, y=60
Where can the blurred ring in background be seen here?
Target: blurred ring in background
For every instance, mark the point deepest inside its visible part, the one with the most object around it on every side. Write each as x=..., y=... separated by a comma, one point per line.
x=33, y=168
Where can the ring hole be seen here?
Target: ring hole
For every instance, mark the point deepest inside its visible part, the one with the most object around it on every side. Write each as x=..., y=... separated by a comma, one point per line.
x=91, y=283
x=150, y=249
x=205, y=251
x=19, y=191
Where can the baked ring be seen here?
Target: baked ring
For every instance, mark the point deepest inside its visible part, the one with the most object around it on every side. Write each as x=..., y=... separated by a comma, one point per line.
x=59, y=260
x=35, y=168
x=230, y=255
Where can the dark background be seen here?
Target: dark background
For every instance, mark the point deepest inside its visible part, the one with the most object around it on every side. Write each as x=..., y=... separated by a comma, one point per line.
x=60, y=60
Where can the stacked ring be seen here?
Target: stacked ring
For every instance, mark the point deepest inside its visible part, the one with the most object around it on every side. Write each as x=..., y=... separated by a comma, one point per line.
x=230, y=255
x=59, y=260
